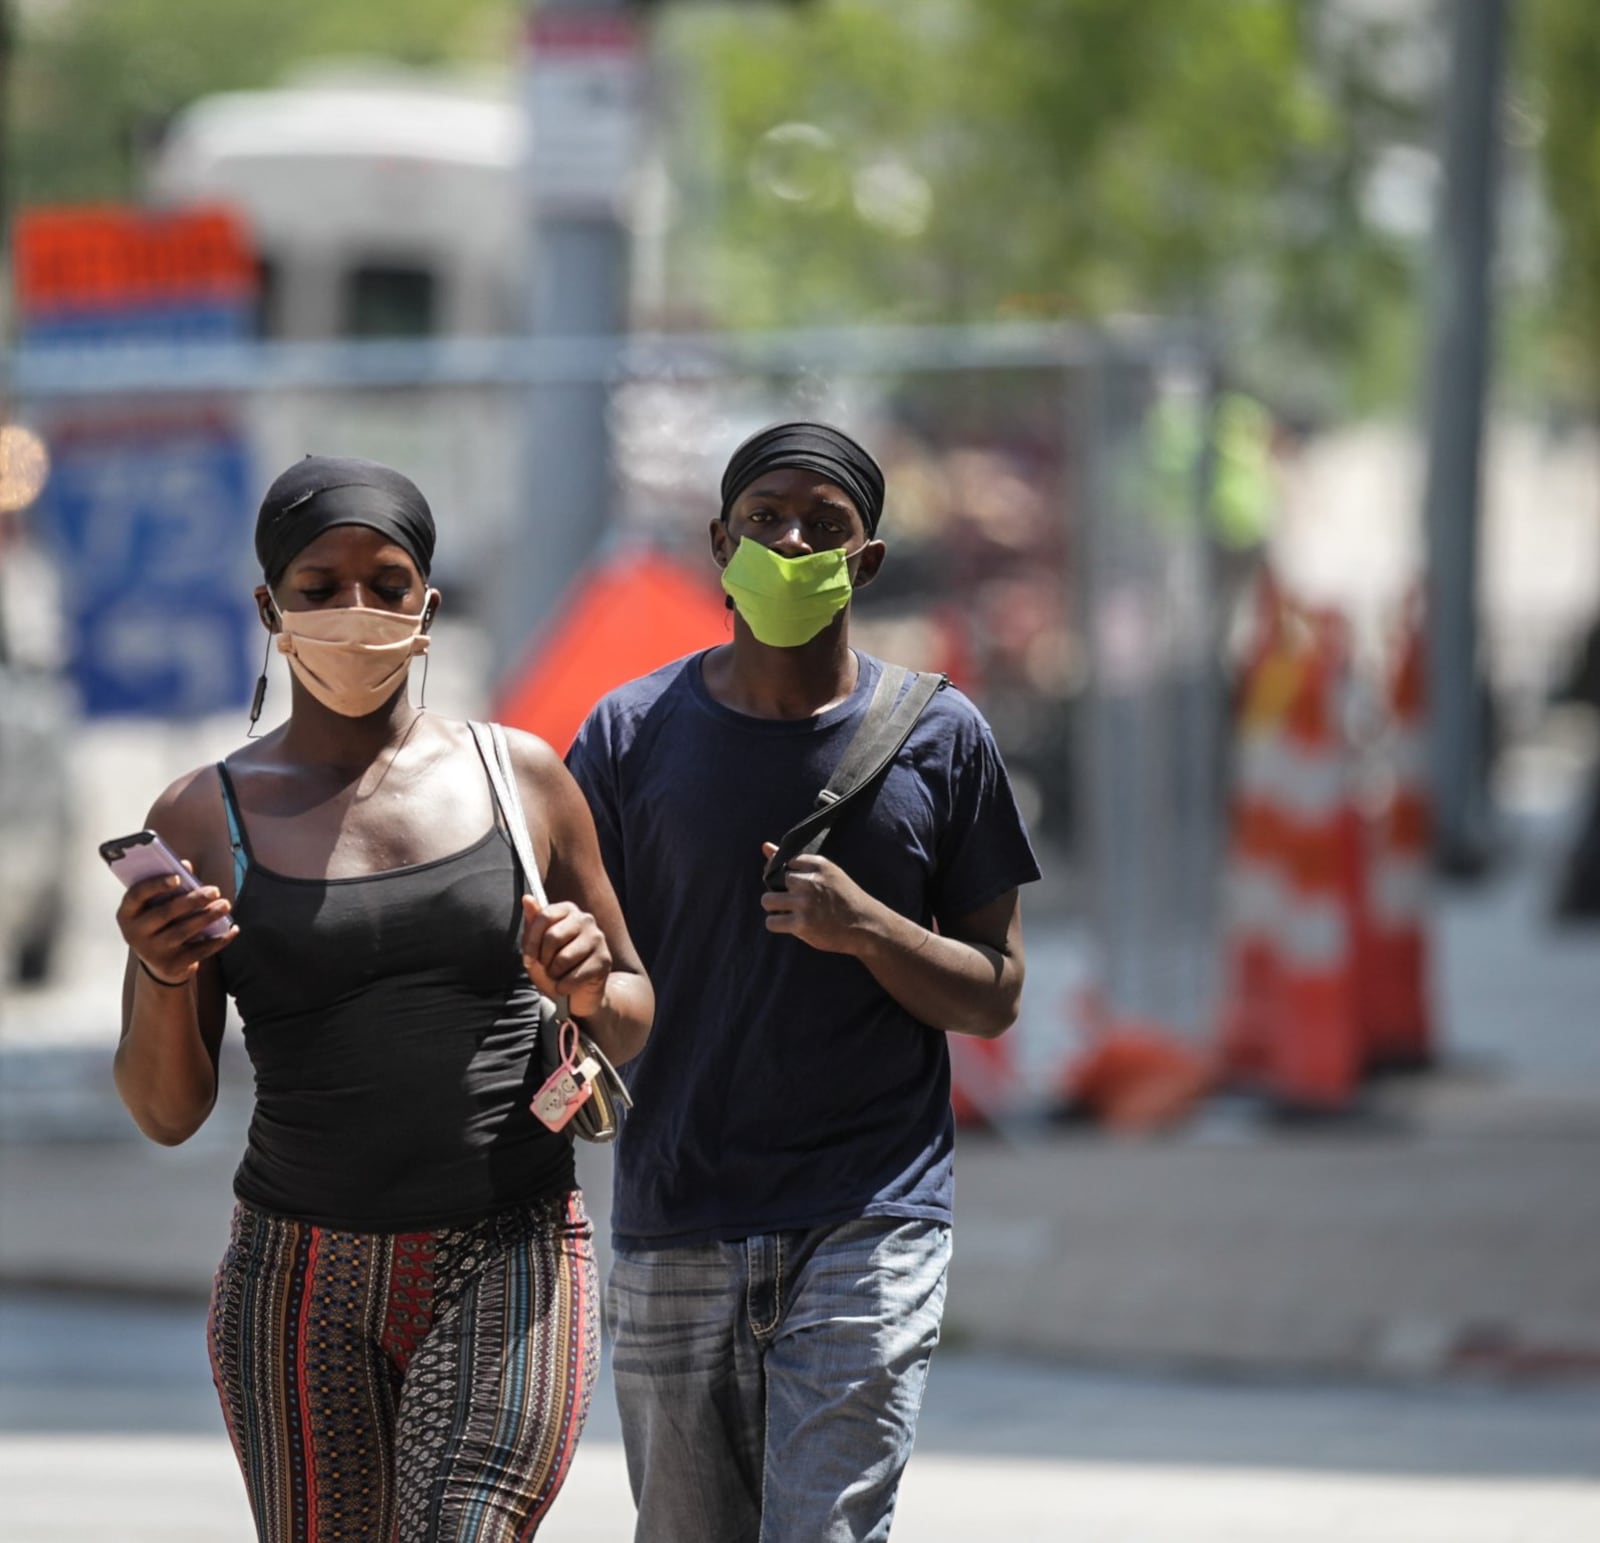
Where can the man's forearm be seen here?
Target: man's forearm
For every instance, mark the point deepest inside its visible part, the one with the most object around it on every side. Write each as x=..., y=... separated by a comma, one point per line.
x=948, y=983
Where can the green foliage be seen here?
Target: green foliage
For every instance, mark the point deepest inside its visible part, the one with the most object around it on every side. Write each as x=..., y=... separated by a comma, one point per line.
x=974, y=159
x=93, y=79
x=960, y=159
x=1561, y=54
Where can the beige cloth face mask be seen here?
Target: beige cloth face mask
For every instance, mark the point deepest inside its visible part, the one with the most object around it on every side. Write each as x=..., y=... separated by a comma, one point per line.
x=353, y=658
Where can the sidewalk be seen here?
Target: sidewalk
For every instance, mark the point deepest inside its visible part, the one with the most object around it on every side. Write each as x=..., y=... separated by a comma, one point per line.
x=1005, y=1449
x=1456, y=1230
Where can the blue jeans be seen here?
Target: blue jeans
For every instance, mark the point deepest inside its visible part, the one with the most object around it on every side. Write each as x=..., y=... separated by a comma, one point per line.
x=769, y=1388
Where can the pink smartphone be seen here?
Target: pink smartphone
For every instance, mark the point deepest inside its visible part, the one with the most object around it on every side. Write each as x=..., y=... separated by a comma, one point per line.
x=144, y=855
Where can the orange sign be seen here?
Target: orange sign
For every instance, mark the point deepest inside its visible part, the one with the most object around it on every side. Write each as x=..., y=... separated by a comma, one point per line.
x=90, y=257
x=626, y=617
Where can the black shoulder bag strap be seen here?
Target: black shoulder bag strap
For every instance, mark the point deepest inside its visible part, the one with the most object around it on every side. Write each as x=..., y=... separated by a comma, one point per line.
x=890, y=718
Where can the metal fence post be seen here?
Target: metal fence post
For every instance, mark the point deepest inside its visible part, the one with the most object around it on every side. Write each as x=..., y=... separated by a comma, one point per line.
x=582, y=84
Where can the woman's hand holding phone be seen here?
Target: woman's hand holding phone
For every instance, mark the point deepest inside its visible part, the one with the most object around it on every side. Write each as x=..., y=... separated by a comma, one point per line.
x=168, y=918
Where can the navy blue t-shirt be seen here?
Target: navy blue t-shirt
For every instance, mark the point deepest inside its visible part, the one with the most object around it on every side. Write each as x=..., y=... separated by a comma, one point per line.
x=782, y=1087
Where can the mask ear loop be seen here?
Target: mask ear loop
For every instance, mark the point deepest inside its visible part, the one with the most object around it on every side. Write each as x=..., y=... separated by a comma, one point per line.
x=727, y=599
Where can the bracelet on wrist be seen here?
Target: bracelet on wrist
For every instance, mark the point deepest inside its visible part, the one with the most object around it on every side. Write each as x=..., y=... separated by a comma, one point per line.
x=171, y=985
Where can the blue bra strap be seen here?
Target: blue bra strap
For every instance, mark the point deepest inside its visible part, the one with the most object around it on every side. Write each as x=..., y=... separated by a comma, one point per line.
x=236, y=841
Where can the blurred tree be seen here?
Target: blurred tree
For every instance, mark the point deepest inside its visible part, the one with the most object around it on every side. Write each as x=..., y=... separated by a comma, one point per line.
x=1561, y=73
x=95, y=79
x=975, y=159
x=953, y=159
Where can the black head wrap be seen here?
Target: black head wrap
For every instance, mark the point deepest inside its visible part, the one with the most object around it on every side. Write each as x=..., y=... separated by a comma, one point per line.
x=812, y=447
x=322, y=491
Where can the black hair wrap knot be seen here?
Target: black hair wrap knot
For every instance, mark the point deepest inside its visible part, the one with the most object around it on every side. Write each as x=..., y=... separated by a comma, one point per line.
x=814, y=447
x=322, y=491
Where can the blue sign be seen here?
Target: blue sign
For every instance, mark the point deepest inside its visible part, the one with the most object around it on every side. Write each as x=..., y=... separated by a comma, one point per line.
x=223, y=322
x=152, y=524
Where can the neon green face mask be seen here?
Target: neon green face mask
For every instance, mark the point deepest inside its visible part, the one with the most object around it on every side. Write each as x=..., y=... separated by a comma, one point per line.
x=787, y=601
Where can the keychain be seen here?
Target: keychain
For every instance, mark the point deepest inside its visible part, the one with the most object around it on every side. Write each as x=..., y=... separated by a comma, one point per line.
x=570, y=1086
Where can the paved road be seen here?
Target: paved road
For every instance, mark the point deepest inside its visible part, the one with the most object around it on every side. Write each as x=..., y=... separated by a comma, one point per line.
x=108, y=1431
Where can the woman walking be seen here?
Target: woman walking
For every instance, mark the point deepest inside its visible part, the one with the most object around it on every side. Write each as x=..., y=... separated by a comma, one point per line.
x=403, y=1328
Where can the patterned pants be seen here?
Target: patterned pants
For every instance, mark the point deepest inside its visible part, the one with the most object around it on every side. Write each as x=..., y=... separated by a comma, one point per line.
x=409, y=1387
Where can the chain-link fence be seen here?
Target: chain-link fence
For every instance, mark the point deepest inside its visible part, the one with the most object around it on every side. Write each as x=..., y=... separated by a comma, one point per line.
x=1045, y=518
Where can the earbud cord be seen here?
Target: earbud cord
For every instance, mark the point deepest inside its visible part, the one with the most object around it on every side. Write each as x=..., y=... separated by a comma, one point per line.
x=260, y=694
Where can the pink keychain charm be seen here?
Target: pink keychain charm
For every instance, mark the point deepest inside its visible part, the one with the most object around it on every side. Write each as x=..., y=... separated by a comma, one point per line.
x=570, y=1086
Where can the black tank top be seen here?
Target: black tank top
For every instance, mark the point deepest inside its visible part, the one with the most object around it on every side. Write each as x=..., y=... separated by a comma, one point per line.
x=393, y=1032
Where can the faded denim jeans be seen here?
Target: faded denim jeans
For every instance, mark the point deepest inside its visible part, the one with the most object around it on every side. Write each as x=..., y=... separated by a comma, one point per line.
x=769, y=1388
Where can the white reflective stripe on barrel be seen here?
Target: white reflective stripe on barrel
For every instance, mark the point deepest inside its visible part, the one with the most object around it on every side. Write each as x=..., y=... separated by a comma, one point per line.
x=1314, y=933
x=1311, y=787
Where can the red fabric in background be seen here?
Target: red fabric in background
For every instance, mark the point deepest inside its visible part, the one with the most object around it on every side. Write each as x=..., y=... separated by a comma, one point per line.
x=626, y=616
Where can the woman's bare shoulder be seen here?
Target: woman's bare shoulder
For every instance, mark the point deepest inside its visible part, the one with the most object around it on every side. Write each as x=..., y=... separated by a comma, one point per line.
x=532, y=756
x=188, y=813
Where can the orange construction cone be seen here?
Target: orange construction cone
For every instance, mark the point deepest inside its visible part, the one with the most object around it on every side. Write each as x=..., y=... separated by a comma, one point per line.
x=1350, y=703
x=1254, y=876
x=1134, y=1077
x=1402, y=1033
x=1316, y=1052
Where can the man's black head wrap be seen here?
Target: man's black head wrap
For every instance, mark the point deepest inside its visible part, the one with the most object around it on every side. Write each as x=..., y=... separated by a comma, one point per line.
x=322, y=491
x=811, y=447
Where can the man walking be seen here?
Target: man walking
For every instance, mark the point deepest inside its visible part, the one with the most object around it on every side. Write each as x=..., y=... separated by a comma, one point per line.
x=783, y=1190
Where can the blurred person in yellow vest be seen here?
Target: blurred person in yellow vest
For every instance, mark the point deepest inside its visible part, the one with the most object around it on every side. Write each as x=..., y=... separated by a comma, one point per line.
x=1243, y=491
